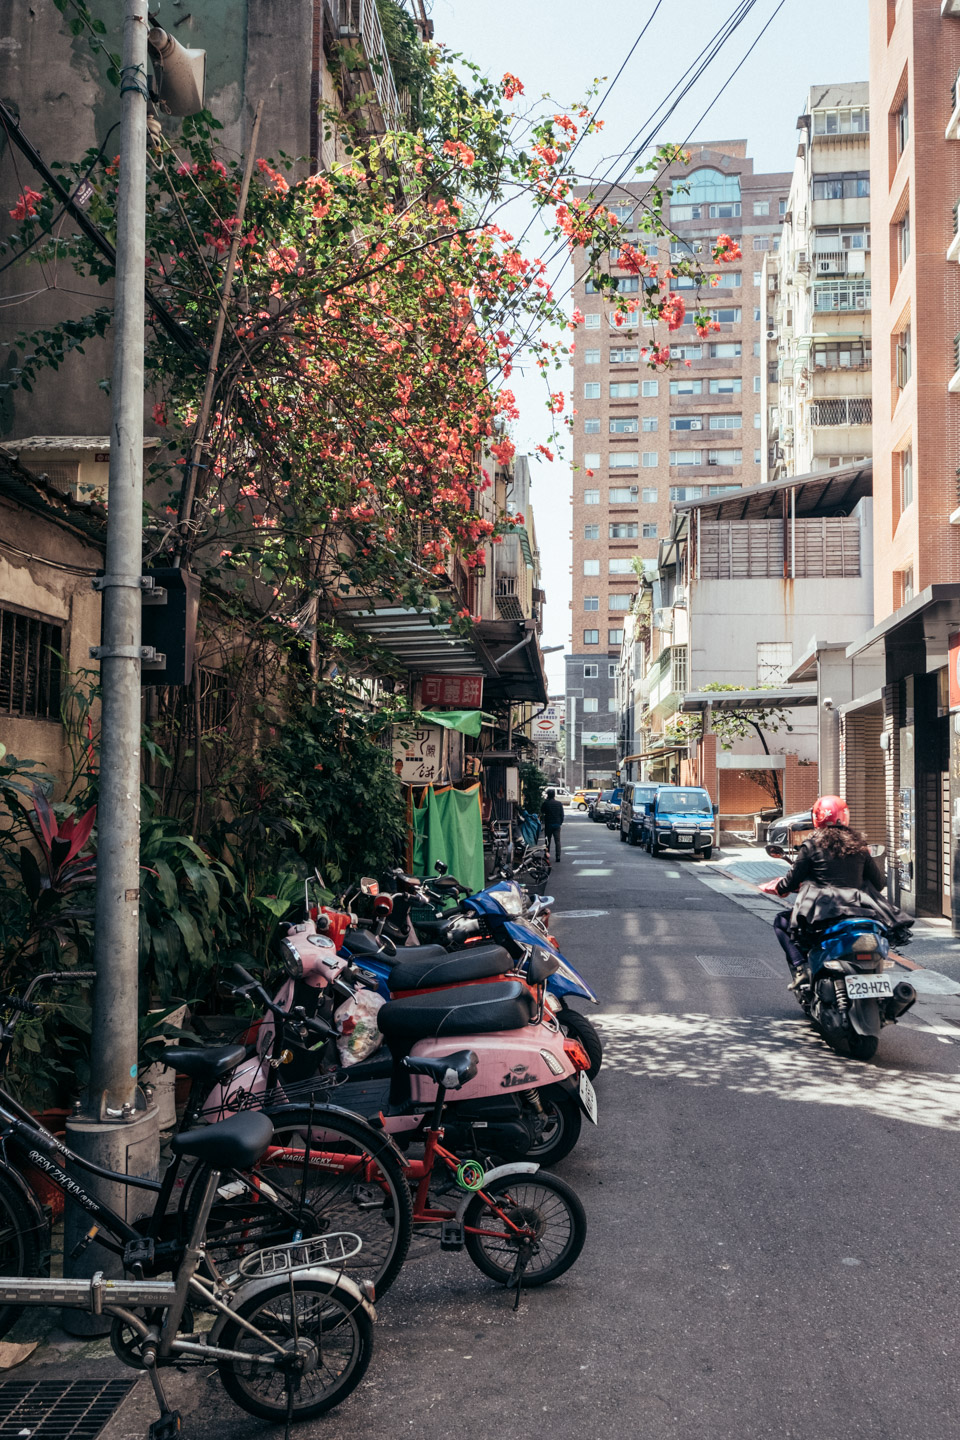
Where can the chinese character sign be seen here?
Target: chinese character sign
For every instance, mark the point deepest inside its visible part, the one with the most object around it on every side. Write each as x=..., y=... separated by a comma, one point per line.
x=418, y=756
x=463, y=691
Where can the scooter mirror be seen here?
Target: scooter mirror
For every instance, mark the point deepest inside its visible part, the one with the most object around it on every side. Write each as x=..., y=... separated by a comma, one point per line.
x=877, y=850
x=440, y=868
x=777, y=851
x=369, y=886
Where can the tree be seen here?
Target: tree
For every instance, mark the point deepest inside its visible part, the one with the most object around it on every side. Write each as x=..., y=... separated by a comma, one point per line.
x=732, y=725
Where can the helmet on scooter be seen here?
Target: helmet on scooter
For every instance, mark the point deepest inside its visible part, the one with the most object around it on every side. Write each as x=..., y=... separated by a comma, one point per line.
x=830, y=810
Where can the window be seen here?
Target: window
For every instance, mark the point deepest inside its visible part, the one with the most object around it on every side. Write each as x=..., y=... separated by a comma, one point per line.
x=650, y=530
x=849, y=120
x=728, y=385
x=648, y=423
x=851, y=185
x=725, y=422
x=761, y=207
x=649, y=496
x=903, y=356
x=906, y=477
x=686, y=492
x=756, y=384
x=29, y=664
x=686, y=422
x=681, y=249
x=592, y=459
x=627, y=284
x=651, y=459
x=756, y=349
x=623, y=390
x=782, y=208
x=591, y=602
x=623, y=495
x=611, y=672
x=591, y=357
x=624, y=530
x=591, y=567
x=774, y=661
x=727, y=316
x=842, y=355
x=625, y=355
x=650, y=388
x=756, y=457
x=756, y=313
x=590, y=703
x=902, y=122
x=685, y=457
x=686, y=387
x=619, y=602
x=591, y=427
x=624, y=425
x=612, y=699
x=622, y=209
x=903, y=240
x=903, y=586
x=591, y=322
x=591, y=637
x=619, y=565
x=591, y=672
x=756, y=421
x=706, y=184
x=591, y=497
x=724, y=457
x=757, y=277
x=726, y=350
x=761, y=242
x=591, y=532
x=686, y=352
x=591, y=390
x=614, y=637
x=727, y=280
x=623, y=460
x=722, y=489
x=832, y=239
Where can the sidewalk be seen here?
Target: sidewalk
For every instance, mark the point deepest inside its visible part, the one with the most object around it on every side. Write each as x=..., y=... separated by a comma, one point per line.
x=932, y=965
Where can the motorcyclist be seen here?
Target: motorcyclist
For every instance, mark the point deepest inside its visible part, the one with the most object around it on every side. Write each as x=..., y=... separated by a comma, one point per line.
x=834, y=856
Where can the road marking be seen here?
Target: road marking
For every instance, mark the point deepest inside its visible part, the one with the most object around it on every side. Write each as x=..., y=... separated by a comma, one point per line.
x=577, y=914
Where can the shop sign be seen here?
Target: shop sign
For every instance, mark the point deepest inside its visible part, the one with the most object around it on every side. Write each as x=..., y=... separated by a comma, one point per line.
x=463, y=691
x=954, y=670
x=598, y=738
x=418, y=756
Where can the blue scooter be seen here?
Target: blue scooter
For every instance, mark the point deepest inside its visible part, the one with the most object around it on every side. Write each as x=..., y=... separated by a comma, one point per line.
x=498, y=914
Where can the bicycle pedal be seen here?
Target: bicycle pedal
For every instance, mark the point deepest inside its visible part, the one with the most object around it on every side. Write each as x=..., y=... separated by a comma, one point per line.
x=138, y=1252
x=166, y=1428
x=451, y=1235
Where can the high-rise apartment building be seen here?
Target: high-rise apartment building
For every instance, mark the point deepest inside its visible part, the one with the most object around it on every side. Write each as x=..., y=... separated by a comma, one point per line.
x=642, y=438
x=817, y=294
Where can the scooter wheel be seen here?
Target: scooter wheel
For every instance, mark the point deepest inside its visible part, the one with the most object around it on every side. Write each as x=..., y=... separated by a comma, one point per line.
x=863, y=1047
x=563, y=1120
x=578, y=1027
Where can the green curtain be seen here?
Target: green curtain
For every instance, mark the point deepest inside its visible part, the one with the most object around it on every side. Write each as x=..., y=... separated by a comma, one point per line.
x=468, y=722
x=447, y=826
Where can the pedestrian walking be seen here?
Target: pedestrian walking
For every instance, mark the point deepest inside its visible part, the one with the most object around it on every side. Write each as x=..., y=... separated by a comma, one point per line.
x=552, y=813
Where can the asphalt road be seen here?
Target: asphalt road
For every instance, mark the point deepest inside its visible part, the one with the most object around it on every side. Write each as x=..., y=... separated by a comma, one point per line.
x=773, y=1241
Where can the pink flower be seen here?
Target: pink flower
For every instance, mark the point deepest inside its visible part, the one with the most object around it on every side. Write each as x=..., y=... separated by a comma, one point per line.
x=26, y=205
x=511, y=86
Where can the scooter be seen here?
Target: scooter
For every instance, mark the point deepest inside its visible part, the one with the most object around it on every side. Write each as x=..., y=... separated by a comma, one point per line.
x=531, y=1088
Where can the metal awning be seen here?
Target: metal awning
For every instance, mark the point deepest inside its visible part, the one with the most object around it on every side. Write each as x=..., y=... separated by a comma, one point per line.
x=824, y=492
x=806, y=666
x=910, y=618
x=653, y=754
x=418, y=641
x=785, y=698
x=72, y=442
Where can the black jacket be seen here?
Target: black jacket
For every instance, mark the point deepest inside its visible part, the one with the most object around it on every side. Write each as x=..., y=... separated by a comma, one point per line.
x=552, y=812
x=846, y=872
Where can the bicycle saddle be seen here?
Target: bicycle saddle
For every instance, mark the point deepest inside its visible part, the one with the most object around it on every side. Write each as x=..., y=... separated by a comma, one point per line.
x=466, y=1010
x=451, y=1071
x=456, y=968
x=209, y=1063
x=233, y=1144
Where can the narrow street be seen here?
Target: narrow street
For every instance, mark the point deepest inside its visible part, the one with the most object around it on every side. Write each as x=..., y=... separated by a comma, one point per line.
x=773, y=1236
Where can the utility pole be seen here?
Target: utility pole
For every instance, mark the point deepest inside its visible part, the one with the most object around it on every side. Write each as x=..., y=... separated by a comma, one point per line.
x=110, y=1130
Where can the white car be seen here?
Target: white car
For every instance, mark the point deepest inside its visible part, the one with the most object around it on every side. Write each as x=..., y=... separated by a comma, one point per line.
x=562, y=793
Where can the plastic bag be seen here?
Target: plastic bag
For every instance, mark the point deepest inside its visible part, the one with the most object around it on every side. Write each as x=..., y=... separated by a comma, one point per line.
x=357, y=1032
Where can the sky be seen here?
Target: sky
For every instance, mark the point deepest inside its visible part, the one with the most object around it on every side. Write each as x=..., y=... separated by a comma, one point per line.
x=559, y=49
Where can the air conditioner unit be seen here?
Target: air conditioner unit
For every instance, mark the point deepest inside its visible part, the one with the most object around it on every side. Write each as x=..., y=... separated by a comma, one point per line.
x=830, y=265
x=771, y=334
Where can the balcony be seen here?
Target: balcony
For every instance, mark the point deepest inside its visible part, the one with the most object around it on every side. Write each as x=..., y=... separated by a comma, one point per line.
x=950, y=7
x=952, y=131
x=366, y=76
x=954, y=383
x=842, y=410
x=509, y=598
x=953, y=249
x=667, y=678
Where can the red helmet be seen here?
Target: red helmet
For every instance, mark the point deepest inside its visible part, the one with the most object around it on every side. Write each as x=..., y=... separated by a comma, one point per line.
x=830, y=810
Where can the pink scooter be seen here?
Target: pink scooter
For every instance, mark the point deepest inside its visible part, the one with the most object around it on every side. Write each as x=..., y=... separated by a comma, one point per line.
x=527, y=1098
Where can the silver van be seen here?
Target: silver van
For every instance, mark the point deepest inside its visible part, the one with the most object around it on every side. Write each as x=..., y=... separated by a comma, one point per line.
x=638, y=795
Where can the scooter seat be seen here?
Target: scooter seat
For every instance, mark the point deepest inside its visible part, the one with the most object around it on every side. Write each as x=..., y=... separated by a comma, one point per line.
x=210, y=1063
x=466, y=1010
x=458, y=968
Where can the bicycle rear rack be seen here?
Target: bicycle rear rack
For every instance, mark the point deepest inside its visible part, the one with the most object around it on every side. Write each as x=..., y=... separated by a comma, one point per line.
x=333, y=1250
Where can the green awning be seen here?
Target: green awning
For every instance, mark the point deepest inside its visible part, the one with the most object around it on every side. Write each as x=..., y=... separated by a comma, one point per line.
x=468, y=722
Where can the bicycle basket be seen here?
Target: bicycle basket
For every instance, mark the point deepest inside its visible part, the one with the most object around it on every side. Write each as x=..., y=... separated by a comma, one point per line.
x=333, y=1249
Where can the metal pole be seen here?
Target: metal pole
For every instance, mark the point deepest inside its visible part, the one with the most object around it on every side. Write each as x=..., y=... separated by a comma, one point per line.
x=110, y=1130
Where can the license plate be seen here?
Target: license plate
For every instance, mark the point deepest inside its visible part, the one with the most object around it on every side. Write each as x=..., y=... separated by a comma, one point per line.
x=868, y=987
x=684, y=839
x=588, y=1097
x=797, y=837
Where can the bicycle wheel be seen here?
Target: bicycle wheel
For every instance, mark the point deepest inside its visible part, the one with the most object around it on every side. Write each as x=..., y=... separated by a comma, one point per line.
x=350, y=1180
x=541, y=1203
x=22, y=1245
x=324, y=1322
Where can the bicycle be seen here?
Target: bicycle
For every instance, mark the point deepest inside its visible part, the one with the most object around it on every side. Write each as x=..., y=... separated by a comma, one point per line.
x=291, y=1333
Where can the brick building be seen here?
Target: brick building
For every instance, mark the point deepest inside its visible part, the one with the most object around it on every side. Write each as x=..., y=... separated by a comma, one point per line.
x=642, y=440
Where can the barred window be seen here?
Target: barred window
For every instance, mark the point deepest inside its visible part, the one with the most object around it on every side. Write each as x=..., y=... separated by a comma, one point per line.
x=30, y=647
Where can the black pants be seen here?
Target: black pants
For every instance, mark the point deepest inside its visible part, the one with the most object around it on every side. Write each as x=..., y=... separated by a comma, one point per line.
x=552, y=832
x=789, y=946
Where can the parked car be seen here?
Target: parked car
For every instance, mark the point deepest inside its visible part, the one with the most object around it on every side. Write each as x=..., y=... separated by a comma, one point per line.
x=790, y=831
x=680, y=817
x=564, y=795
x=582, y=798
x=637, y=797
x=606, y=805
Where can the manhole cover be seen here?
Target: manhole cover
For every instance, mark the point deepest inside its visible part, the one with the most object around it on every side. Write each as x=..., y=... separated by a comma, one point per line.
x=59, y=1409
x=739, y=967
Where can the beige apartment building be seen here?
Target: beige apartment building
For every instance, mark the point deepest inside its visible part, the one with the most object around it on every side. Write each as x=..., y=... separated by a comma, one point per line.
x=644, y=439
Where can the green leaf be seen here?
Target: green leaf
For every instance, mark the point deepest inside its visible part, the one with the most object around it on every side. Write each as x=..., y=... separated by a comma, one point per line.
x=187, y=926
x=166, y=884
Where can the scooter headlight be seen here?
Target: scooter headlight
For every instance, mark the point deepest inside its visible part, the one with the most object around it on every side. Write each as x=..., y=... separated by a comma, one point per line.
x=292, y=962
